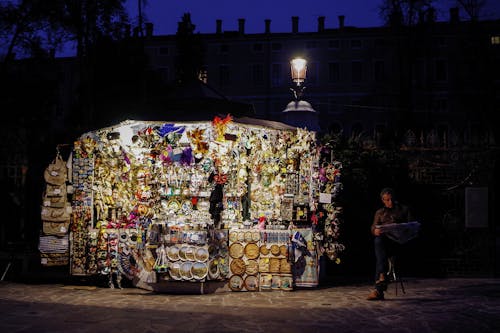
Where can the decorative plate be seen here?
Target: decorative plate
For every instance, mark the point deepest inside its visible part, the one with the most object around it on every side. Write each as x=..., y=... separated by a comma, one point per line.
x=241, y=236
x=186, y=206
x=203, y=205
x=223, y=267
x=264, y=265
x=233, y=236
x=264, y=250
x=283, y=250
x=255, y=236
x=190, y=253
x=265, y=281
x=201, y=254
x=185, y=270
x=236, y=283
x=182, y=252
x=173, y=253
x=285, y=266
x=252, y=283
x=252, y=267
x=237, y=266
x=275, y=249
x=252, y=251
x=276, y=282
x=248, y=236
x=274, y=265
x=173, y=205
x=236, y=250
x=174, y=269
x=199, y=270
x=213, y=269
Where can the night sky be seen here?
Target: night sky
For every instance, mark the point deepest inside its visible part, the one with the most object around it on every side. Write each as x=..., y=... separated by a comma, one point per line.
x=359, y=13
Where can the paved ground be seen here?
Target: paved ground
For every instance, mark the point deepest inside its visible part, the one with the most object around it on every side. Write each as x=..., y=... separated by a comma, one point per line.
x=429, y=305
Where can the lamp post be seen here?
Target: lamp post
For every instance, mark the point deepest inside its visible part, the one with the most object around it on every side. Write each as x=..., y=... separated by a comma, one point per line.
x=299, y=112
x=298, y=70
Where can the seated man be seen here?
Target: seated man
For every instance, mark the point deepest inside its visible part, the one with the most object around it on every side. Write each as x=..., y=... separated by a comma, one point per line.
x=392, y=212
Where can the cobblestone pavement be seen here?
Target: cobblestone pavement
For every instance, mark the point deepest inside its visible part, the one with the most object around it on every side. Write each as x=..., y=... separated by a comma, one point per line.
x=429, y=305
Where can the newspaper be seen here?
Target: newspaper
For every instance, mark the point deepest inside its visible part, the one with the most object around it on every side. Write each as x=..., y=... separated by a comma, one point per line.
x=400, y=232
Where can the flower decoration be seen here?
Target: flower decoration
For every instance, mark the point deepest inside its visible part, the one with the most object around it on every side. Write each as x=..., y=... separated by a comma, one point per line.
x=89, y=145
x=220, y=125
x=196, y=137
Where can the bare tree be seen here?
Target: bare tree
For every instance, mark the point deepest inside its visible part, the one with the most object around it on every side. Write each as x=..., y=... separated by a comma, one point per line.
x=29, y=28
x=472, y=7
x=405, y=12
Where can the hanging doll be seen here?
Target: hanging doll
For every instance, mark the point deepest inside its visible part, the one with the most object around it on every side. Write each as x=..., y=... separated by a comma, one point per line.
x=216, y=197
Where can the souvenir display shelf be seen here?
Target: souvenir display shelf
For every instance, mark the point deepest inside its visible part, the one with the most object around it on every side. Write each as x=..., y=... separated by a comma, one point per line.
x=238, y=201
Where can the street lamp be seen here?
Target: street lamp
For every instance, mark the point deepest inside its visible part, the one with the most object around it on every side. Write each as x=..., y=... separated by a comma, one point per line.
x=298, y=112
x=298, y=70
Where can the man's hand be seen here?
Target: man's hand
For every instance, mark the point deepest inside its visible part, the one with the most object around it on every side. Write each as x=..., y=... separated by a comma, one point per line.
x=377, y=232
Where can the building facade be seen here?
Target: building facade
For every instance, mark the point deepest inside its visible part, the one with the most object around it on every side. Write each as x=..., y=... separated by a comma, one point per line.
x=434, y=78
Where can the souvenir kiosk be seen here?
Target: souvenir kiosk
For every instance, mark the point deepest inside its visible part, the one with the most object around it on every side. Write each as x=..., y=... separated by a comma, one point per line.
x=240, y=204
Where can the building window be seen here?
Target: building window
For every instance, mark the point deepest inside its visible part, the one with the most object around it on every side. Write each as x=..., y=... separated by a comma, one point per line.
x=441, y=70
x=495, y=40
x=276, y=47
x=334, y=44
x=355, y=44
x=163, y=71
x=258, y=47
x=333, y=72
x=224, y=49
x=257, y=74
x=224, y=76
x=356, y=71
x=379, y=71
x=441, y=105
x=276, y=75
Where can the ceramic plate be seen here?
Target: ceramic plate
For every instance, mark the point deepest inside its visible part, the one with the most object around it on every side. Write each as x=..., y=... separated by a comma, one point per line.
x=199, y=270
x=213, y=269
x=236, y=283
x=174, y=270
x=201, y=254
x=173, y=253
x=252, y=251
x=185, y=270
x=236, y=250
x=251, y=283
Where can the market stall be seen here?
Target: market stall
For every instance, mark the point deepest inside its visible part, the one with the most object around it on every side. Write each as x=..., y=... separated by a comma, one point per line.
x=244, y=202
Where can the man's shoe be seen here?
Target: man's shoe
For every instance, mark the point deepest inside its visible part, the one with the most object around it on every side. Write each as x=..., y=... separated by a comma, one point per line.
x=375, y=295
